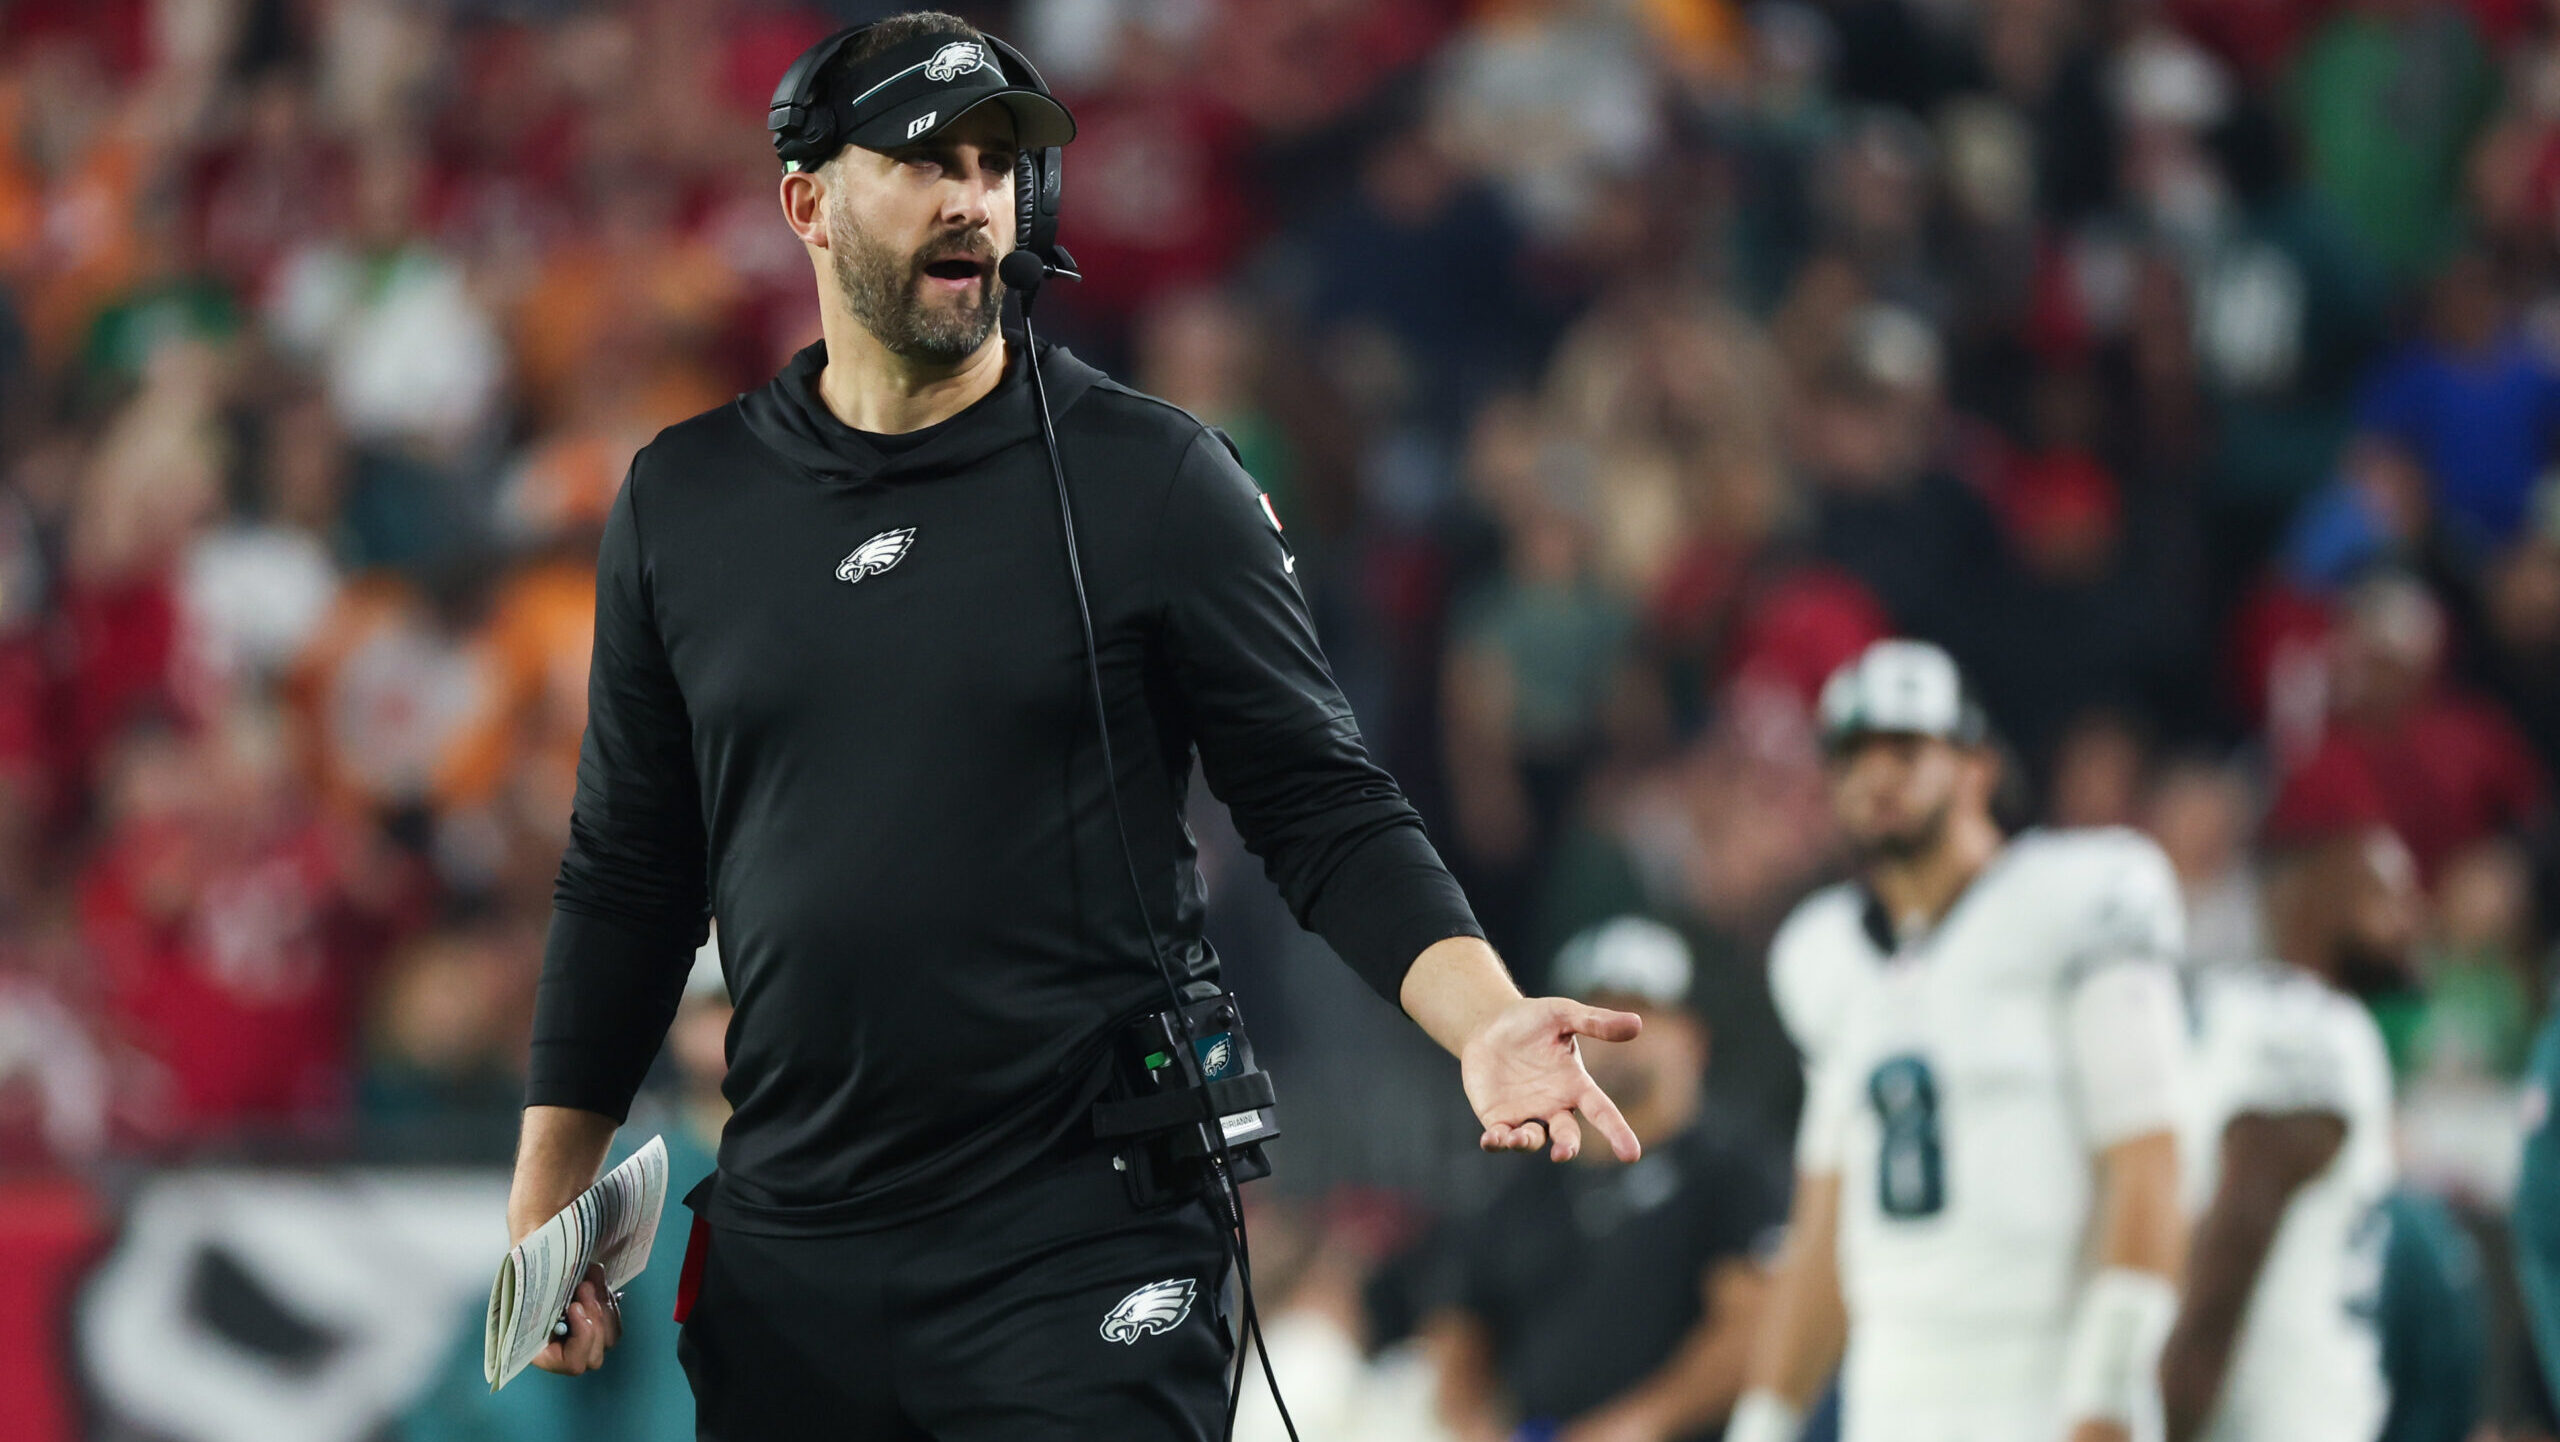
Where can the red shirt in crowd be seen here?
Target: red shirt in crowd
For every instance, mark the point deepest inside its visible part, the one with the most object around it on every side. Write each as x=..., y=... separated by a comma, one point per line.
x=114, y=653
x=2452, y=771
x=235, y=972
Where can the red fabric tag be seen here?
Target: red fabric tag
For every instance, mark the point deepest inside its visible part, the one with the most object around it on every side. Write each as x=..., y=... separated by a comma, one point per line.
x=689, y=1281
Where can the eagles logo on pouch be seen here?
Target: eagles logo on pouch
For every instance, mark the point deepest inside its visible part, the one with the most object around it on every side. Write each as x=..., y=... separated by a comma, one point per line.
x=955, y=59
x=1155, y=1307
x=877, y=554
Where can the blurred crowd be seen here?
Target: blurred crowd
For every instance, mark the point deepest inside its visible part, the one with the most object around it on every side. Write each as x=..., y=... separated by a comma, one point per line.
x=2189, y=368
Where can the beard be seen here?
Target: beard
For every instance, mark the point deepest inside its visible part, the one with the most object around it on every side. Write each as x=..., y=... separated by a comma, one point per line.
x=880, y=287
x=1906, y=844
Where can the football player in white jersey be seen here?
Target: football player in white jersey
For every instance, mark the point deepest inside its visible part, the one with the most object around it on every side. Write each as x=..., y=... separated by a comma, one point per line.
x=2288, y=1149
x=1986, y=1219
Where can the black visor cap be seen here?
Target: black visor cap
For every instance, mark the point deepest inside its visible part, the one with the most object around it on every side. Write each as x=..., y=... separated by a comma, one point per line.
x=910, y=92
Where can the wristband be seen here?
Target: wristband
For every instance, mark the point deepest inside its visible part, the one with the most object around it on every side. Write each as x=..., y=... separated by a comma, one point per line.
x=1763, y=1416
x=2110, y=1371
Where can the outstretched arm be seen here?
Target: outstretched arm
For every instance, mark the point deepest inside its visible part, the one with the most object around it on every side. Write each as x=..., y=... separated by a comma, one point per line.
x=1518, y=1056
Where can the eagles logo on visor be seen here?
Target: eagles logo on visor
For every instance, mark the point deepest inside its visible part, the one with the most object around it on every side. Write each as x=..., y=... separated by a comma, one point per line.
x=959, y=58
x=912, y=91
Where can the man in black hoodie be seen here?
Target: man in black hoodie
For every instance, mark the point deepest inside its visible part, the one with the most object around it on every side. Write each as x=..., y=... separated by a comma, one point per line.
x=838, y=698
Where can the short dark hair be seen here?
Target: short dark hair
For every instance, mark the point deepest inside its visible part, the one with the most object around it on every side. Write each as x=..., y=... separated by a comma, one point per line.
x=883, y=36
x=897, y=30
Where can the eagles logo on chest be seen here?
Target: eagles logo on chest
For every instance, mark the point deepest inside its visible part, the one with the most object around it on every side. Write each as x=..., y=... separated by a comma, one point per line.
x=877, y=554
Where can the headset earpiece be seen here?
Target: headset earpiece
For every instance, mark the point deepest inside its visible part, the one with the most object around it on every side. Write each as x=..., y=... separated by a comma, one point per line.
x=804, y=131
x=1039, y=178
x=1026, y=200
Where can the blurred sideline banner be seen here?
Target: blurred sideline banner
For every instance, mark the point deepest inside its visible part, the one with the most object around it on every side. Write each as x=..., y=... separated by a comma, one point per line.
x=245, y=1306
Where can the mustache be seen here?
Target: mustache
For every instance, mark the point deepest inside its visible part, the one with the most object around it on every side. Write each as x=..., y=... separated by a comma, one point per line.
x=973, y=246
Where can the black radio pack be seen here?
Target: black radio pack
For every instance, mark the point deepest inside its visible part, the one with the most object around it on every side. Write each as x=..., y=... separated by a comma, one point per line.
x=1171, y=1073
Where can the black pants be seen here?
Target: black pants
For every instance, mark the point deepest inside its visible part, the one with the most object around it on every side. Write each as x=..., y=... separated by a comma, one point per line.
x=1052, y=1308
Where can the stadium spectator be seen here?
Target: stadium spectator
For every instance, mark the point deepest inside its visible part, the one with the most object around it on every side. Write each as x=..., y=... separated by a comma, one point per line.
x=2477, y=401
x=2394, y=170
x=255, y=587
x=233, y=928
x=440, y=1081
x=2477, y=972
x=410, y=356
x=2449, y=767
x=2288, y=308
x=152, y=478
x=1536, y=661
x=1198, y=349
x=2519, y=659
x=1867, y=432
x=2098, y=771
x=2202, y=812
x=1638, y=1324
x=1411, y=274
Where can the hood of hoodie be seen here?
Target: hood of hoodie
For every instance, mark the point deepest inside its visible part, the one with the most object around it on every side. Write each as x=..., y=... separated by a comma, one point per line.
x=786, y=414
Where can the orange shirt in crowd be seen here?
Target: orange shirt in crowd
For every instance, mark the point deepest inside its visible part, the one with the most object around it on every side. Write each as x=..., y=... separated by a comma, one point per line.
x=534, y=649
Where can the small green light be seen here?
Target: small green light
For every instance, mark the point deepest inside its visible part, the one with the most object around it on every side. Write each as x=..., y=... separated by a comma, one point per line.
x=1156, y=1060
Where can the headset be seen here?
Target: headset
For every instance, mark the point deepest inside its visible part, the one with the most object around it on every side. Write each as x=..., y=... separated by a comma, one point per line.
x=806, y=131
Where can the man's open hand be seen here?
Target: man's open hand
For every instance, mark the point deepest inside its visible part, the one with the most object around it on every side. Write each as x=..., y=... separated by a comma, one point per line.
x=595, y=1324
x=1524, y=1076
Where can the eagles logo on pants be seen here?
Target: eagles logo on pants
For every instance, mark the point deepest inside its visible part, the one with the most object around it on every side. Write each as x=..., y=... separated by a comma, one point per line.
x=1155, y=1307
x=976, y=1324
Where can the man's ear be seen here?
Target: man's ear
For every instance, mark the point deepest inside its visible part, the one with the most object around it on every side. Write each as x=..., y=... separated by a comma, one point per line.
x=804, y=206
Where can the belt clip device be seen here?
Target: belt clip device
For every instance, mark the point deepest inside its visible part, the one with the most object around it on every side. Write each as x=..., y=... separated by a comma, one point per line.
x=1171, y=1072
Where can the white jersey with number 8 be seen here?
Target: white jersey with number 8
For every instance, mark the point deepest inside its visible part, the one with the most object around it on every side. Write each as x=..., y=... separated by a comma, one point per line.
x=1950, y=1087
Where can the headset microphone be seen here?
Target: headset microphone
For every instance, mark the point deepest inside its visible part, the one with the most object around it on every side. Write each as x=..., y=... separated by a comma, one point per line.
x=1023, y=271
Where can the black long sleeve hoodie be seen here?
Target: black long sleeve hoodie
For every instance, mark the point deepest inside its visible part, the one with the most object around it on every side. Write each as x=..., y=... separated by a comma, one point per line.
x=838, y=699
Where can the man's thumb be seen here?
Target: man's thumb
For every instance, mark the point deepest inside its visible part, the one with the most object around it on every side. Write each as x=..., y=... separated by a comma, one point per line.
x=1600, y=1025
